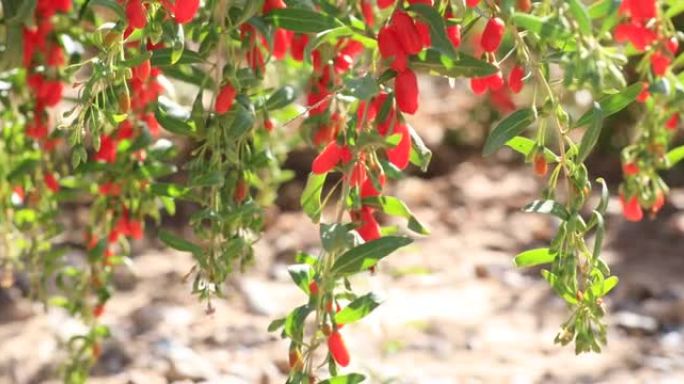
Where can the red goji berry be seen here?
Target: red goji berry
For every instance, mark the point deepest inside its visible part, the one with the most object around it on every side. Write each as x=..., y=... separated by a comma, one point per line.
x=672, y=45
x=406, y=91
x=185, y=10
x=51, y=182
x=382, y=4
x=338, y=349
x=225, y=99
x=630, y=169
x=631, y=209
x=492, y=35
x=660, y=63
x=540, y=164
x=399, y=155
x=327, y=159
x=407, y=33
x=135, y=13
x=515, y=79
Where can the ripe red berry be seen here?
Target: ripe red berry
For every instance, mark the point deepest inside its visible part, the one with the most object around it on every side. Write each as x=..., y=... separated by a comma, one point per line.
x=367, y=11
x=400, y=154
x=382, y=4
x=369, y=229
x=98, y=310
x=644, y=94
x=672, y=45
x=273, y=4
x=472, y=3
x=329, y=157
x=660, y=63
x=185, y=10
x=407, y=32
x=142, y=71
x=454, y=35
x=282, y=39
x=368, y=188
x=515, y=79
x=492, y=35
x=541, y=167
x=630, y=169
x=135, y=13
x=631, y=209
x=406, y=91
x=313, y=288
x=225, y=99
x=51, y=182
x=240, y=192
x=524, y=5
x=337, y=348
x=107, y=151
x=388, y=43
x=358, y=174
x=478, y=85
x=297, y=46
x=672, y=122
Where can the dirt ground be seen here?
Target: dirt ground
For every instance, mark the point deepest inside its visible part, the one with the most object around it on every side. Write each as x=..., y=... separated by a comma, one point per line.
x=456, y=310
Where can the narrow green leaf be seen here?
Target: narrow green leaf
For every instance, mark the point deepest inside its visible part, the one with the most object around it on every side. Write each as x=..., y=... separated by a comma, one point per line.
x=548, y=28
x=352, y=378
x=311, y=196
x=591, y=136
x=367, y=255
x=550, y=207
x=534, y=257
x=420, y=155
x=674, y=156
x=579, y=11
x=603, y=287
x=612, y=104
x=173, y=124
x=435, y=21
x=165, y=57
x=168, y=189
x=358, y=309
x=301, y=275
x=276, y=325
x=393, y=206
x=302, y=20
x=432, y=61
x=603, y=8
x=178, y=243
x=281, y=98
x=508, y=128
x=209, y=179
x=524, y=146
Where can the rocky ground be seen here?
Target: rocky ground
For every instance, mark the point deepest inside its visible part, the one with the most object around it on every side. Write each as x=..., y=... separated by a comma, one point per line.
x=455, y=310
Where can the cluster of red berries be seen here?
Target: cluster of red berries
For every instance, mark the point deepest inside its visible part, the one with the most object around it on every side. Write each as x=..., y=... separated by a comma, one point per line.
x=182, y=12
x=641, y=28
x=43, y=50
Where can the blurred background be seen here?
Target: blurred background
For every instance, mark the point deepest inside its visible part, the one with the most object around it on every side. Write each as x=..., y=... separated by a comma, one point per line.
x=456, y=310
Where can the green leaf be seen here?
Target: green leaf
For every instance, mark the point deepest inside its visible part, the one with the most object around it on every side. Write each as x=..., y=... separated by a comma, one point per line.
x=281, y=98
x=335, y=237
x=547, y=207
x=276, y=324
x=603, y=287
x=358, y=309
x=674, y=156
x=168, y=189
x=362, y=88
x=393, y=206
x=558, y=286
x=112, y=5
x=178, y=243
x=548, y=28
x=534, y=257
x=524, y=146
x=301, y=275
x=294, y=322
x=209, y=179
x=511, y=126
x=603, y=8
x=165, y=57
x=352, y=378
x=302, y=20
x=367, y=255
x=243, y=120
x=612, y=104
x=173, y=124
x=420, y=155
x=579, y=11
x=438, y=36
x=591, y=136
x=311, y=196
x=432, y=61
x=675, y=9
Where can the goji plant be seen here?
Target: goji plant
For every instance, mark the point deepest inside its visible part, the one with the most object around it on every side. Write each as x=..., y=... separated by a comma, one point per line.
x=130, y=106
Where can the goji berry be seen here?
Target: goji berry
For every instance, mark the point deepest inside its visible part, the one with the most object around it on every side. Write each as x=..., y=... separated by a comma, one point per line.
x=224, y=99
x=406, y=91
x=492, y=35
x=338, y=349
